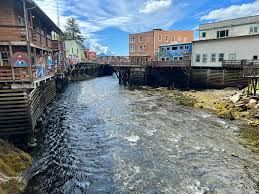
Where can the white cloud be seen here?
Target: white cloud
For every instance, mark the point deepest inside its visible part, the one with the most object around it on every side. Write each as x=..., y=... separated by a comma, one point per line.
x=234, y=11
x=126, y=15
x=152, y=6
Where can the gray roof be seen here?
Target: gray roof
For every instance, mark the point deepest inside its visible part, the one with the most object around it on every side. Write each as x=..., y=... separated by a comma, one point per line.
x=232, y=22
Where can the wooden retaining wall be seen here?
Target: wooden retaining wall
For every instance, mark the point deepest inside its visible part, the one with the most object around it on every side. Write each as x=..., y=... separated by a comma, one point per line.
x=14, y=112
x=39, y=99
x=217, y=78
x=20, y=109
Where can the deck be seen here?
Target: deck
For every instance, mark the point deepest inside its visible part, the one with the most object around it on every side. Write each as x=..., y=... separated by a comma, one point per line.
x=32, y=77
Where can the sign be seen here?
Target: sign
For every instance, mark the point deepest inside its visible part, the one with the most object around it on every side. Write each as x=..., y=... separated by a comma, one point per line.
x=20, y=59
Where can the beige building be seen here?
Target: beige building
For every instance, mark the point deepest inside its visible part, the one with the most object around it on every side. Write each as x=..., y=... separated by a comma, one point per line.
x=148, y=43
x=233, y=40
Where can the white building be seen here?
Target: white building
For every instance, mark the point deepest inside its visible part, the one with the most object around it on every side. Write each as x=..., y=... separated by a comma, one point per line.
x=236, y=39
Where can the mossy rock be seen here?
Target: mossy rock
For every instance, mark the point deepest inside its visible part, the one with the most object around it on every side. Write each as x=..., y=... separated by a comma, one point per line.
x=226, y=114
x=13, y=186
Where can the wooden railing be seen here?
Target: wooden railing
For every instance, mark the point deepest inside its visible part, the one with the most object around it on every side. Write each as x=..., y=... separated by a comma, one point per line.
x=170, y=63
x=251, y=69
x=5, y=73
x=8, y=73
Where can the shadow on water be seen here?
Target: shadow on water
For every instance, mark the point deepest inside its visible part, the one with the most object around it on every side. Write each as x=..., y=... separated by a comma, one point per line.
x=102, y=138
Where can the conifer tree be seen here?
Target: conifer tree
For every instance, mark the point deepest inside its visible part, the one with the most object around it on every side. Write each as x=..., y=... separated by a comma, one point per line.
x=72, y=30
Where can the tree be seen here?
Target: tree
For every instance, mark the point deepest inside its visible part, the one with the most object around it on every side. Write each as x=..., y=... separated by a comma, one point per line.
x=73, y=31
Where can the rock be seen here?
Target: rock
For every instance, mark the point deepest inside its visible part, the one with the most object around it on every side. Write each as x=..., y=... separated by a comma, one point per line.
x=252, y=101
x=226, y=114
x=234, y=155
x=235, y=98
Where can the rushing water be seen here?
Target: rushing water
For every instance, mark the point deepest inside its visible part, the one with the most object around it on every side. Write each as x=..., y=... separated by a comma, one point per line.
x=102, y=138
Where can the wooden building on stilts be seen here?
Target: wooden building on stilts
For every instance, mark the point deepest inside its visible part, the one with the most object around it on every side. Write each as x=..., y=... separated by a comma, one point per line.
x=31, y=54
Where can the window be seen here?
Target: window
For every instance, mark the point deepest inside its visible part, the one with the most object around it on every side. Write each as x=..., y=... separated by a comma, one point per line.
x=221, y=57
x=163, y=59
x=204, y=58
x=198, y=58
x=132, y=39
x=144, y=46
x=203, y=34
x=186, y=47
x=141, y=39
x=175, y=58
x=222, y=33
x=180, y=58
x=159, y=37
x=166, y=38
x=213, y=57
x=168, y=48
x=77, y=51
x=132, y=49
x=174, y=48
x=181, y=47
x=255, y=57
x=173, y=38
x=253, y=29
x=167, y=59
x=140, y=47
x=72, y=50
x=21, y=21
x=162, y=49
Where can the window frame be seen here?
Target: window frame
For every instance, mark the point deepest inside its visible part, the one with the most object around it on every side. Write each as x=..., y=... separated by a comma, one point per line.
x=198, y=56
x=204, y=56
x=215, y=57
x=223, y=33
x=203, y=34
x=220, y=59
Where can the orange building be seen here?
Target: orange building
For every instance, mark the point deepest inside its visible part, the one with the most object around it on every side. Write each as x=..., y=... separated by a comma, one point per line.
x=148, y=43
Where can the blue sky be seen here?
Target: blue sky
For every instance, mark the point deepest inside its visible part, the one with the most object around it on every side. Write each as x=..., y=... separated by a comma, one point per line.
x=107, y=23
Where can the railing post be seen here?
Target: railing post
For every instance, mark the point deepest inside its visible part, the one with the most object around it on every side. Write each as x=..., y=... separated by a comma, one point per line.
x=11, y=56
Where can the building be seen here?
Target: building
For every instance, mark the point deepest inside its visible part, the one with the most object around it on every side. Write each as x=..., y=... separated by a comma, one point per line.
x=175, y=52
x=90, y=55
x=31, y=55
x=30, y=47
x=148, y=43
x=74, y=51
x=227, y=41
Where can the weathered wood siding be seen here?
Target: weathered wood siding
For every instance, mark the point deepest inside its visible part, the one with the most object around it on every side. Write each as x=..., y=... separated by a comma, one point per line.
x=14, y=112
x=20, y=109
x=40, y=98
x=217, y=78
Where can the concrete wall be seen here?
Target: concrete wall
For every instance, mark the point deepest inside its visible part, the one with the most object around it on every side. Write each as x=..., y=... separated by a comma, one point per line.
x=243, y=48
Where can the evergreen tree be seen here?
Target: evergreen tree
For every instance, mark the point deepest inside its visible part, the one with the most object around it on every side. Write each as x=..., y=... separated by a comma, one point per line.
x=73, y=31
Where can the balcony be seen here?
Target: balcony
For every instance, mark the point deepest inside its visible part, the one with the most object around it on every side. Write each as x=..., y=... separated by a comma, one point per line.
x=25, y=74
x=12, y=33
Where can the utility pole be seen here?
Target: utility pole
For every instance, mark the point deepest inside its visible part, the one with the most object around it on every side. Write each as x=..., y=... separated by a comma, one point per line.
x=58, y=22
x=58, y=16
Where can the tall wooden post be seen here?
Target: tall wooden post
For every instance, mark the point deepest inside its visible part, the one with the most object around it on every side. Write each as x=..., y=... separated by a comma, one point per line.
x=11, y=56
x=27, y=37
